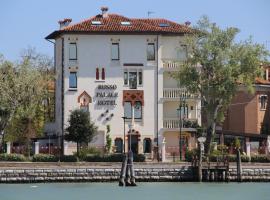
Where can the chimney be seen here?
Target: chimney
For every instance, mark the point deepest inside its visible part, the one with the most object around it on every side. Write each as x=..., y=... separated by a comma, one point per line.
x=65, y=22
x=187, y=23
x=104, y=11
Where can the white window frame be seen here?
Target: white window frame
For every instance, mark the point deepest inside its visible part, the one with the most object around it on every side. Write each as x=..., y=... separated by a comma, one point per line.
x=133, y=70
x=70, y=56
x=152, y=44
x=76, y=75
x=118, y=51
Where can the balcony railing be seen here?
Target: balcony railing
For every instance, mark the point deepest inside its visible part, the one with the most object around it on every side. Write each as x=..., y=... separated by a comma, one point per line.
x=176, y=93
x=172, y=123
x=171, y=65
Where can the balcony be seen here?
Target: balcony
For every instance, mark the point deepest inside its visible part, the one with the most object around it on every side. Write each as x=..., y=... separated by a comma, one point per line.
x=174, y=123
x=176, y=93
x=171, y=65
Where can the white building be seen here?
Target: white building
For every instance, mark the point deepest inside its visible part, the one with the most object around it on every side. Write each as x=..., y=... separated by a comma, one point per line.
x=109, y=63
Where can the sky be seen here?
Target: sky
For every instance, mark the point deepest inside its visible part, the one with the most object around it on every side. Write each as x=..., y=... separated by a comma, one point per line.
x=25, y=23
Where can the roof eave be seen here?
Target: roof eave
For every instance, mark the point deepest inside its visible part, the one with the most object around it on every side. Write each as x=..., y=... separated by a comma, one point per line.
x=55, y=34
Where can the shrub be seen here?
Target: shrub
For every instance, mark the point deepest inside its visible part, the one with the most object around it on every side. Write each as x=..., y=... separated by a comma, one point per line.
x=12, y=157
x=222, y=148
x=231, y=158
x=68, y=158
x=113, y=158
x=190, y=154
x=87, y=151
x=139, y=158
x=44, y=158
x=260, y=158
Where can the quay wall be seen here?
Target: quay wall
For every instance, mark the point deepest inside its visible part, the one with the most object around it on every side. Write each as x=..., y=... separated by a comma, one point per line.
x=155, y=173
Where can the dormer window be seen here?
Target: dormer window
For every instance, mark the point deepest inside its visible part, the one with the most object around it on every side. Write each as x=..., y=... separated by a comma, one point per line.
x=126, y=23
x=72, y=51
x=96, y=22
x=164, y=25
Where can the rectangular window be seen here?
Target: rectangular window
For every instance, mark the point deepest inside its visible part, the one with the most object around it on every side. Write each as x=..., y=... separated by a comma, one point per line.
x=132, y=80
x=150, y=51
x=73, y=80
x=97, y=73
x=72, y=51
x=103, y=74
x=263, y=102
x=115, y=51
x=127, y=110
x=125, y=78
x=140, y=77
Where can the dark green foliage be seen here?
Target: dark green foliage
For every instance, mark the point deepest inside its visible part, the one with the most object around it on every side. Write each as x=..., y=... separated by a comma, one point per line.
x=214, y=68
x=191, y=154
x=44, y=158
x=112, y=158
x=80, y=129
x=12, y=157
x=68, y=158
x=244, y=158
x=87, y=151
x=53, y=158
x=260, y=158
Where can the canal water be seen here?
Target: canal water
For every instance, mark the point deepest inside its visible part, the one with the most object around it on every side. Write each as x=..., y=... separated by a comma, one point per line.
x=149, y=191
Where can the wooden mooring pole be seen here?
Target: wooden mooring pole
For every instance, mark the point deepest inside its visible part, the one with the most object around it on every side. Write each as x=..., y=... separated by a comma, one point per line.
x=127, y=176
x=239, y=166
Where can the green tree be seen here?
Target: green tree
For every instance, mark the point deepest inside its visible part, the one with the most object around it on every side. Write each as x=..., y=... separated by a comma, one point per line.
x=80, y=129
x=108, y=140
x=215, y=67
x=23, y=88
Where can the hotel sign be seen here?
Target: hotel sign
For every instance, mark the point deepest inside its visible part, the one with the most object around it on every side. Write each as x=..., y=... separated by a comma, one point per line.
x=106, y=95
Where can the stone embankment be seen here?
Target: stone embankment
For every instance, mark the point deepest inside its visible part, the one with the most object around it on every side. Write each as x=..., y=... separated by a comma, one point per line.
x=100, y=172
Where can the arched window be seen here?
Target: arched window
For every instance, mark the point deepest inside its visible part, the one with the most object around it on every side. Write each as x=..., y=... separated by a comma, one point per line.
x=127, y=109
x=97, y=74
x=138, y=110
x=147, y=145
x=118, y=143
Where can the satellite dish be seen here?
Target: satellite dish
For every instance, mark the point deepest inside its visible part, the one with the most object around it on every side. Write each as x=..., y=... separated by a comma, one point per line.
x=201, y=139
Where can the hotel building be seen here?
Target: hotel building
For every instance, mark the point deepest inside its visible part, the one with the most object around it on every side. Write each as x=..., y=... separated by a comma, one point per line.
x=114, y=66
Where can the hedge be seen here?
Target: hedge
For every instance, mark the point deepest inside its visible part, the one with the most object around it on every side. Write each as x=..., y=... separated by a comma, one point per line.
x=112, y=158
x=53, y=158
x=12, y=157
x=44, y=158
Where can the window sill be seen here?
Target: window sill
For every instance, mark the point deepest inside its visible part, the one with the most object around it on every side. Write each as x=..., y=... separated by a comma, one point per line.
x=136, y=120
x=72, y=89
x=262, y=109
x=99, y=81
x=138, y=87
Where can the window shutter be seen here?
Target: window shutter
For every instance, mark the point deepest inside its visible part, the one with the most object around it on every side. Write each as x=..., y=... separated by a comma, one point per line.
x=97, y=74
x=103, y=74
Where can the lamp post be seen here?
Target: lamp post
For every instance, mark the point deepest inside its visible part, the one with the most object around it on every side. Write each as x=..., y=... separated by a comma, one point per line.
x=124, y=118
x=179, y=111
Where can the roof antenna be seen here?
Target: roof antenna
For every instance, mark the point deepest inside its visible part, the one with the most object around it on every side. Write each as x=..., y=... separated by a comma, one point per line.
x=149, y=13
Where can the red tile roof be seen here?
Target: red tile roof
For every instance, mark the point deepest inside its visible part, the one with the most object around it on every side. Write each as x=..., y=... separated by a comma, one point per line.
x=112, y=24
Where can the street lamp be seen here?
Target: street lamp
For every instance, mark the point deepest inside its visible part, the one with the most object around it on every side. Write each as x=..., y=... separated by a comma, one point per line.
x=124, y=118
x=179, y=111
